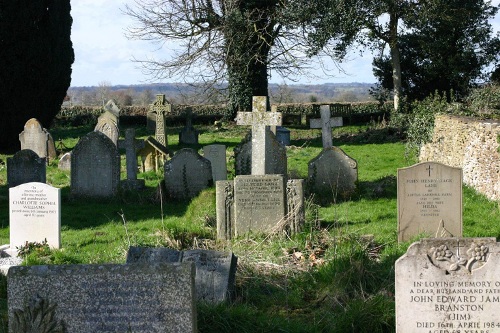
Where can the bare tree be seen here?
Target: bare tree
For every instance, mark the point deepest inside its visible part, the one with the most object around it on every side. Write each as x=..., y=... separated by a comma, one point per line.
x=235, y=41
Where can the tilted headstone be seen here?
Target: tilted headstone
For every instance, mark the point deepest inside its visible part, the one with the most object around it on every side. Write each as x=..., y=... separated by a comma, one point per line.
x=187, y=174
x=326, y=123
x=65, y=162
x=161, y=107
x=153, y=155
x=38, y=139
x=215, y=271
x=139, y=298
x=429, y=201
x=216, y=154
x=130, y=144
x=276, y=160
x=333, y=173
x=95, y=166
x=449, y=285
x=112, y=111
x=259, y=204
x=109, y=128
x=25, y=167
x=260, y=121
x=35, y=215
x=189, y=135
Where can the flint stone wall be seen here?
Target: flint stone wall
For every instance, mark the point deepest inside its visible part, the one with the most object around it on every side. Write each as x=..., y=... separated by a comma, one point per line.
x=471, y=144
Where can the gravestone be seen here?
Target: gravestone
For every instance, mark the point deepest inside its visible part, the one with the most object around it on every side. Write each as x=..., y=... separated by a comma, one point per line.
x=216, y=154
x=25, y=167
x=130, y=144
x=95, y=166
x=259, y=204
x=38, y=139
x=161, y=107
x=283, y=135
x=65, y=162
x=189, y=135
x=108, y=127
x=276, y=160
x=215, y=271
x=326, y=123
x=260, y=121
x=112, y=111
x=333, y=173
x=35, y=215
x=187, y=174
x=153, y=155
x=139, y=298
x=449, y=285
x=429, y=201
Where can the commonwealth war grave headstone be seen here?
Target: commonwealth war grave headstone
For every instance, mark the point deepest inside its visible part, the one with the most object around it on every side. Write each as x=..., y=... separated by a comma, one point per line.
x=25, y=167
x=187, y=174
x=216, y=154
x=38, y=139
x=429, y=201
x=260, y=120
x=130, y=144
x=449, y=285
x=139, y=298
x=215, y=271
x=34, y=215
x=95, y=166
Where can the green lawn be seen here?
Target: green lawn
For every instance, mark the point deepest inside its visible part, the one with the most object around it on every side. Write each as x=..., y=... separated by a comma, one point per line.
x=335, y=276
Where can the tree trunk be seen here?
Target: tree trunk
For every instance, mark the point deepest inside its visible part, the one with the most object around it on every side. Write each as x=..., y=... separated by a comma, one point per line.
x=395, y=58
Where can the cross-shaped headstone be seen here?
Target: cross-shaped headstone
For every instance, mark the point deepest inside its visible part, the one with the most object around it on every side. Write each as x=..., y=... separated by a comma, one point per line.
x=326, y=123
x=161, y=107
x=260, y=121
x=130, y=144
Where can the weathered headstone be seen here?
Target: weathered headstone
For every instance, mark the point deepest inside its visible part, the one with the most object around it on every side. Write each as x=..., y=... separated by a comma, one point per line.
x=260, y=121
x=326, y=123
x=130, y=144
x=112, y=111
x=216, y=154
x=187, y=174
x=259, y=204
x=161, y=107
x=95, y=166
x=109, y=128
x=139, y=298
x=215, y=271
x=449, y=285
x=429, y=201
x=153, y=155
x=275, y=162
x=38, y=139
x=333, y=173
x=189, y=135
x=283, y=135
x=35, y=215
x=65, y=162
x=25, y=167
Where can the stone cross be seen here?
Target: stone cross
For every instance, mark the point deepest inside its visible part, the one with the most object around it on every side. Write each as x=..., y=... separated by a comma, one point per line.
x=326, y=123
x=260, y=121
x=161, y=107
x=130, y=144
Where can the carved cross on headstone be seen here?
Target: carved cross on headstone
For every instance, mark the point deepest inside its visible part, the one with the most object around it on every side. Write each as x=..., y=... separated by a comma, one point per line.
x=161, y=107
x=130, y=144
x=429, y=168
x=260, y=121
x=326, y=123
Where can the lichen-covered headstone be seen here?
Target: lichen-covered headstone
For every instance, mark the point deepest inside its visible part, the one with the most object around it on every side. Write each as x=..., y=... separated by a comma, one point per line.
x=187, y=174
x=109, y=128
x=95, y=166
x=38, y=139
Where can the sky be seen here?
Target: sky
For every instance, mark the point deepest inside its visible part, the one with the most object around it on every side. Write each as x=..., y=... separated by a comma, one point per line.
x=104, y=55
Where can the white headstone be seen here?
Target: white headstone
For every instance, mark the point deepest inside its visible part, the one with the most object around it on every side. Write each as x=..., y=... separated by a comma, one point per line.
x=35, y=214
x=429, y=201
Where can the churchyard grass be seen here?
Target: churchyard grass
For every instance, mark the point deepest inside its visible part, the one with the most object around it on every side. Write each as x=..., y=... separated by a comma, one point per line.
x=335, y=276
